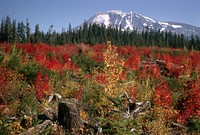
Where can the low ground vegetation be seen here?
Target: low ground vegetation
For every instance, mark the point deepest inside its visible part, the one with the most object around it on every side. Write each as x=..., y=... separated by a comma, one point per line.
x=97, y=77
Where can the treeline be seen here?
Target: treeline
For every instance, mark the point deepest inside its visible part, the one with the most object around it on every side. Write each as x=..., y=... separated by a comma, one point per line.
x=12, y=31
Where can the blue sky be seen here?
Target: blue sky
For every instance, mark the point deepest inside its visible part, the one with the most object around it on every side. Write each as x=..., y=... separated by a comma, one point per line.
x=60, y=13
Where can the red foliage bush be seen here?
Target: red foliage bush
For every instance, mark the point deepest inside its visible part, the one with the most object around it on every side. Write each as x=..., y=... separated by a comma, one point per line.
x=78, y=93
x=54, y=65
x=133, y=62
x=162, y=95
x=132, y=92
x=66, y=57
x=191, y=102
x=127, y=51
x=195, y=61
x=6, y=48
x=98, y=49
x=41, y=85
x=149, y=71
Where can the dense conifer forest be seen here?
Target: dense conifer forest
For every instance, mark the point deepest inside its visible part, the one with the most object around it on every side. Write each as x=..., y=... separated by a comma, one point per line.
x=12, y=31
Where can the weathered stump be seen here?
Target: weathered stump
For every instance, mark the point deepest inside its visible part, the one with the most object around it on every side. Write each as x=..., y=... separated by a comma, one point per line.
x=69, y=115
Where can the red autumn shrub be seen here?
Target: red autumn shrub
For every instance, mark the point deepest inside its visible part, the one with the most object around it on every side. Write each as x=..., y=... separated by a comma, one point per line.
x=133, y=62
x=68, y=63
x=191, y=102
x=132, y=92
x=78, y=93
x=54, y=65
x=98, y=57
x=126, y=51
x=2, y=106
x=6, y=48
x=195, y=61
x=162, y=95
x=98, y=49
x=149, y=70
x=66, y=57
x=41, y=85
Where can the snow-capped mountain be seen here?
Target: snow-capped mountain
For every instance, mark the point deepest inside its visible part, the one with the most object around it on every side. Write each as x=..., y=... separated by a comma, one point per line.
x=131, y=21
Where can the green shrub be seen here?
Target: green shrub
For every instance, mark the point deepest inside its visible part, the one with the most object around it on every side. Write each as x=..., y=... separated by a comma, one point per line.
x=194, y=75
x=49, y=55
x=12, y=90
x=30, y=71
x=1, y=56
x=91, y=98
x=3, y=127
x=194, y=125
x=28, y=105
x=14, y=63
x=174, y=85
x=85, y=63
x=177, y=89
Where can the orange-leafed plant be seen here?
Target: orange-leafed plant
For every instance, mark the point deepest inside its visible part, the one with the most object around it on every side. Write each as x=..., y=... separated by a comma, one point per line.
x=113, y=70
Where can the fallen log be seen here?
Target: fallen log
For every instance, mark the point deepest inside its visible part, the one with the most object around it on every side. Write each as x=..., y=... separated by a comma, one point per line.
x=42, y=128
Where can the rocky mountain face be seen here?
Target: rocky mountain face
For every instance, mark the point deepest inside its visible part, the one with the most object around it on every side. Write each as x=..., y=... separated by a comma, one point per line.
x=132, y=20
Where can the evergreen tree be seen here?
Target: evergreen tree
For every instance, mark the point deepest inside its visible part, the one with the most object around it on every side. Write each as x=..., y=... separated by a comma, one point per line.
x=70, y=29
x=50, y=36
x=69, y=34
x=192, y=43
x=161, y=42
x=28, y=32
x=14, y=32
x=171, y=39
x=37, y=34
x=90, y=39
x=2, y=31
x=197, y=46
x=79, y=34
x=42, y=37
x=174, y=41
x=63, y=37
x=182, y=41
x=84, y=32
x=21, y=33
x=8, y=28
x=166, y=42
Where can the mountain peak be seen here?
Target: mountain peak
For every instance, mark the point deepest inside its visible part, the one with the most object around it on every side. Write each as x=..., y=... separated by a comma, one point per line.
x=132, y=20
x=115, y=12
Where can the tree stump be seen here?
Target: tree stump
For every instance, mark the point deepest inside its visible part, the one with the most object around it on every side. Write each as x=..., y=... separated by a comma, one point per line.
x=69, y=115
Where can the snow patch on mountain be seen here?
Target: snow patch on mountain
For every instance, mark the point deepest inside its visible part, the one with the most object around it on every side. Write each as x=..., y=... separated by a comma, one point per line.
x=149, y=19
x=162, y=29
x=102, y=19
x=128, y=26
x=176, y=26
x=144, y=24
x=164, y=24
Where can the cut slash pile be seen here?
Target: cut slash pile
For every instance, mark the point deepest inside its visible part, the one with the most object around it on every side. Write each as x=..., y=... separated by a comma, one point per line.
x=97, y=77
